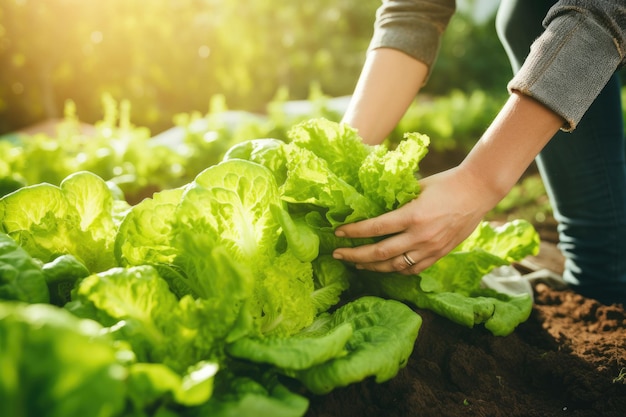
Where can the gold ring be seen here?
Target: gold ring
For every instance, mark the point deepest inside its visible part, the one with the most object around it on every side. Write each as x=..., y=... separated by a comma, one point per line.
x=410, y=262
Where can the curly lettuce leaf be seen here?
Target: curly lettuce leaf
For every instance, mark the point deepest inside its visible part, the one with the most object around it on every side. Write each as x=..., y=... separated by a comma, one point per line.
x=239, y=195
x=283, y=298
x=145, y=234
x=138, y=306
x=336, y=143
x=268, y=152
x=331, y=170
x=389, y=177
x=486, y=248
x=330, y=278
x=311, y=183
x=150, y=383
x=511, y=241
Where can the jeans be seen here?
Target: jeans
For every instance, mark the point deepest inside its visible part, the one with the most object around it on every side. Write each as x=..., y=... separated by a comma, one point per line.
x=584, y=172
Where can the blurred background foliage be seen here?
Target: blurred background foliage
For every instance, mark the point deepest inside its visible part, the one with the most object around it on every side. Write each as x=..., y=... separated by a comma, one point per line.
x=172, y=56
x=143, y=74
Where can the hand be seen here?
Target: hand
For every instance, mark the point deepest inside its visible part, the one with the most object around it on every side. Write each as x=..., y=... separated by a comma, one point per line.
x=449, y=207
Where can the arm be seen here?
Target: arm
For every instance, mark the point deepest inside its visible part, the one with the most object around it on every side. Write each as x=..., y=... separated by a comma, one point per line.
x=406, y=39
x=388, y=83
x=580, y=48
x=453, y=202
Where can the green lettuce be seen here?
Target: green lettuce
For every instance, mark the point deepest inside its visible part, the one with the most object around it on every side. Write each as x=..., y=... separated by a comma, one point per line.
x=228, y=239
x=21, y=276
x=57, y=365
x=333, y=178
x=206, y=298
x=249, y=392
x=61, y=275
x=78, y=218
x=452, y=286
x=384, y=334
x=389, y=177
x=138, y=304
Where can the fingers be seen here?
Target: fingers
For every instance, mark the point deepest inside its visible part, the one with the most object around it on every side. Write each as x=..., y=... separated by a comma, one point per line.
x=419, y=266
x=385, y=255
x=396, y=263
x=397, y=253
x=383, y=225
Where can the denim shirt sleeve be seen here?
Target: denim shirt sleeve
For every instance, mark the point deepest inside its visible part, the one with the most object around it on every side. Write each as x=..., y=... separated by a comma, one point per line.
x=414, y=27
x=583, y=44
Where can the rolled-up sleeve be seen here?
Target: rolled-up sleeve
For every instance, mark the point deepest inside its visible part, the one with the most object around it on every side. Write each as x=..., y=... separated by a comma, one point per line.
x=414, y=27
x=570, y=63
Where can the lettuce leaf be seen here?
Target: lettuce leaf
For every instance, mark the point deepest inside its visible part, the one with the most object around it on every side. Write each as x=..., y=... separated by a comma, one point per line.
x=150, y=383
x=146, y=231
x=21, y=276
x=389, y=177
x=61, y=275
x=76, y=218
x=367, y=337
x=138, y=306
x=452, y=286
x=330, y=278
x=486, y=248
x=245, y=393
x=303, y=350
x=382, y=341
x=226, y=238
x=84, y=372
x=337, y=144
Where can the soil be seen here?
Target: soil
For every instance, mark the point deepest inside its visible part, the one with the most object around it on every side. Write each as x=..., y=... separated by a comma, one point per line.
x=567, y=359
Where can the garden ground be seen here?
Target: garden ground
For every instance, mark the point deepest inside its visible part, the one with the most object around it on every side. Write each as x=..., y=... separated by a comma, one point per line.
x=567, y=359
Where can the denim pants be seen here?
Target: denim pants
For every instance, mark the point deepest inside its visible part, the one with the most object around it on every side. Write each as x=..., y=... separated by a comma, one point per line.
x=584, y=172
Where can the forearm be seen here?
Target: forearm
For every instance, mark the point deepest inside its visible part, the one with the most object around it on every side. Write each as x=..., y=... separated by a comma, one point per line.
x=519, y=132
x=387, y=85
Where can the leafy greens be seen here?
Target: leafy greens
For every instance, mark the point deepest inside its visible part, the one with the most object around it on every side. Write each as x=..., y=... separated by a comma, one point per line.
x=205, y=298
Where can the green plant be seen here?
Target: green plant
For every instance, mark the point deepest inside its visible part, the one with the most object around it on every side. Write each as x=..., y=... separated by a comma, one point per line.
x=218, y=296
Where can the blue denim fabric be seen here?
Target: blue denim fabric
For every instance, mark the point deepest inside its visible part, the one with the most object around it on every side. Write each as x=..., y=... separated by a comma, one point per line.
x=584, y=172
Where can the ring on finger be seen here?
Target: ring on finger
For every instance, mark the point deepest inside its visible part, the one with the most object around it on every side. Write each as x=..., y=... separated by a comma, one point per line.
x=410, y=262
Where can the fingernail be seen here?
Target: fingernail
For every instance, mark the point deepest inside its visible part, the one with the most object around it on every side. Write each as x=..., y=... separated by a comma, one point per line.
x=340, y=233
x=337, y=256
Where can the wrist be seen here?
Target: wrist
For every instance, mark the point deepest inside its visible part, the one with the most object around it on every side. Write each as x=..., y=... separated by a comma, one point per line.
x=509, y=146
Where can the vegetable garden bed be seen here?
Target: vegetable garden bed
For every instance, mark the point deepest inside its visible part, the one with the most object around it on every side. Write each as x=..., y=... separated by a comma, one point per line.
x=219, y=297
x=567, y=359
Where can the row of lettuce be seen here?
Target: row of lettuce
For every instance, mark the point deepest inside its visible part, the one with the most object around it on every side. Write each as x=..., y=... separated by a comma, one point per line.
x=140, y=162
x=219, y=296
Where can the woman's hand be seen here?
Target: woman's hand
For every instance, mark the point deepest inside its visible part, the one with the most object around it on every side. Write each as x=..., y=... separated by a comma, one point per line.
x=450, y=206
x=453, y=202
